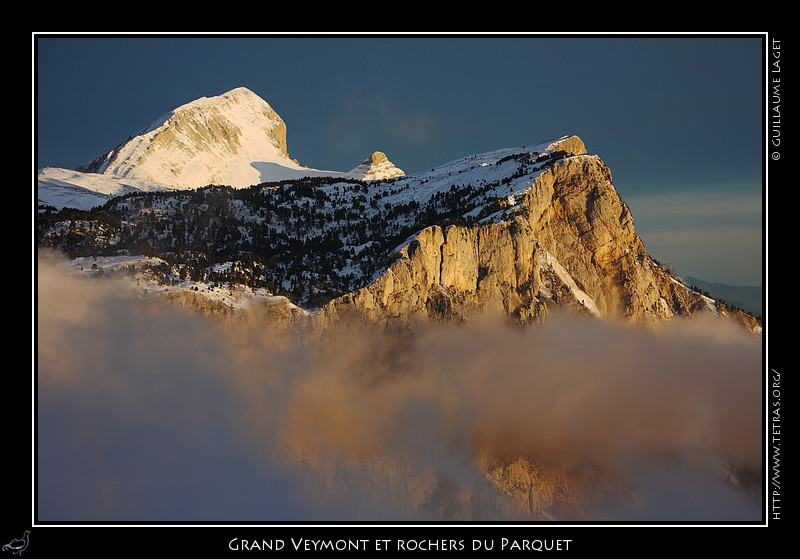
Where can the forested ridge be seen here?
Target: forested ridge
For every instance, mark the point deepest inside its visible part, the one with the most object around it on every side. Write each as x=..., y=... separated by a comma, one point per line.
x=311, y=240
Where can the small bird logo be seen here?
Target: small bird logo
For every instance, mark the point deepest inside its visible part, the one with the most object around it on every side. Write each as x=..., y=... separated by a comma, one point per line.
x=18, y=545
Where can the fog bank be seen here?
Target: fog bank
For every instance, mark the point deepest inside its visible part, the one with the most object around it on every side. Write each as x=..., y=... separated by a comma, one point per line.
x=149, y=412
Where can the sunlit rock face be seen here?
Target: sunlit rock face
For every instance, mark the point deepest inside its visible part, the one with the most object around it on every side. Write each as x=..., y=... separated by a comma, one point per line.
x=570, y=242
x=376, y=167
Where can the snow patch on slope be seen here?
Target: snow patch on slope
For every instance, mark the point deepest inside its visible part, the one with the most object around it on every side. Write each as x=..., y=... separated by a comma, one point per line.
x=63, y=188
x=551, y=262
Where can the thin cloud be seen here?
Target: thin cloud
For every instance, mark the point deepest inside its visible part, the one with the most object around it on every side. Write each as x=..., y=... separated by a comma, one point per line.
x=700, y=203
x=714, y=233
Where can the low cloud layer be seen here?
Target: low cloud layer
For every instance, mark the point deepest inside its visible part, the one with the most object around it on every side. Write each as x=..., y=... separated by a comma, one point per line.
x=147, y=412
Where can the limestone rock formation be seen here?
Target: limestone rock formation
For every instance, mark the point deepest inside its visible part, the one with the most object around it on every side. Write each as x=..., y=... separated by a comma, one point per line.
x=376, y=167
x=570, y=242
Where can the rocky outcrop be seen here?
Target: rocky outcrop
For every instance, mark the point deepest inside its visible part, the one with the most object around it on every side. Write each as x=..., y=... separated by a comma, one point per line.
x=197, y=302
x=376, y=167
x=569, y=243
x=276, y=310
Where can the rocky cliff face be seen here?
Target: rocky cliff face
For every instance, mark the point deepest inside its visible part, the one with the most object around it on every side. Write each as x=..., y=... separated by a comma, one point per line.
x=569, y=243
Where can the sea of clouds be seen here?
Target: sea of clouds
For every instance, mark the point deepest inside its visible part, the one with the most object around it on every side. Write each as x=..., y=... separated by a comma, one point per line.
x=148, y=412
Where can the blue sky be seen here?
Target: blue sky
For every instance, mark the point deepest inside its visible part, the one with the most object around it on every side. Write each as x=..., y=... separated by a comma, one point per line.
x=678, y=120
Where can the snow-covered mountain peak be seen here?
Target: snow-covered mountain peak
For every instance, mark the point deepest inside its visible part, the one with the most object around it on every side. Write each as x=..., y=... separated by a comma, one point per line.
x=376, y=167
x=239, y=100
x=235, y=139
